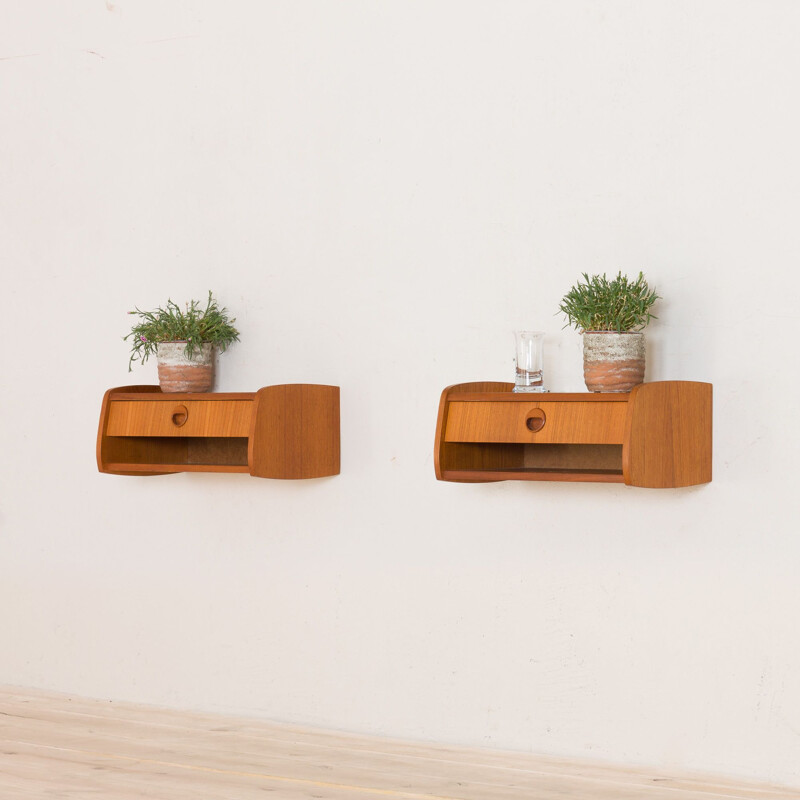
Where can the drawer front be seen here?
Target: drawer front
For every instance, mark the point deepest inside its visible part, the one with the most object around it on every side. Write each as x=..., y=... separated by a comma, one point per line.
x=592, y=422
x=179, y=418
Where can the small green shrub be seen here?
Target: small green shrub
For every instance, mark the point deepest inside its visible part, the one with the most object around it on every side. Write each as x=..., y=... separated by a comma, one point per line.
x=600, y=304
x=195, y=326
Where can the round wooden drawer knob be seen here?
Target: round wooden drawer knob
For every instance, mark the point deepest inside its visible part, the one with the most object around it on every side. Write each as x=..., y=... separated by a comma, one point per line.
x=535, y=420
x=179, y=416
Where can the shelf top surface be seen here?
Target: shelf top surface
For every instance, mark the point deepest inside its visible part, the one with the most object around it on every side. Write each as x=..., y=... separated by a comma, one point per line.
x=150, y=397
x=538, y=397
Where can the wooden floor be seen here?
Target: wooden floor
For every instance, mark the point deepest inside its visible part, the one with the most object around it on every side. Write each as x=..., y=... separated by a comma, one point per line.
x=57, y=746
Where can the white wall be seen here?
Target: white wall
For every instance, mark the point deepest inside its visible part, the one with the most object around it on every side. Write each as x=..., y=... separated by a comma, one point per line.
x=381, y=192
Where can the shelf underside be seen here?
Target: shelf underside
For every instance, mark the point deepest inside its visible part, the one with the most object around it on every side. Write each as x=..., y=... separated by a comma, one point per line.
x=476, y=462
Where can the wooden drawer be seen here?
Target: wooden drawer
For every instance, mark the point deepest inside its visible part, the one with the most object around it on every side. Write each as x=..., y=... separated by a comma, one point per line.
x=589, y=422
x=224, y=418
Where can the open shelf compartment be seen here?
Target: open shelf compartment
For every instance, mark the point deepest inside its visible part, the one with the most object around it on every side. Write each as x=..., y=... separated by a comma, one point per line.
x=472, y=462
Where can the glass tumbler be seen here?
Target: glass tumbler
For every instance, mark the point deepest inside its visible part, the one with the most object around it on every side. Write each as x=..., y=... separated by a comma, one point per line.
x=529, y=361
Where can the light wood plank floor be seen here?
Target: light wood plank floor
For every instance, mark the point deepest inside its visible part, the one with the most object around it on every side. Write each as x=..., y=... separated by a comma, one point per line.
x=58, y=746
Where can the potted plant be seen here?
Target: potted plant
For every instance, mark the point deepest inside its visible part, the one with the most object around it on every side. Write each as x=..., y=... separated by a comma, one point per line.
x=185, y=343
x=611, y=314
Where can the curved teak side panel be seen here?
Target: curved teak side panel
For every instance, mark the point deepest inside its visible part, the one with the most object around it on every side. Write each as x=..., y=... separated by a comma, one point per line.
x=668, y=435
x=295, y=432
x=116, y=451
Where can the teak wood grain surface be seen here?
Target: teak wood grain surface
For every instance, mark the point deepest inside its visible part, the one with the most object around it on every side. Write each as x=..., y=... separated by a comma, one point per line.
x=288, y=431
x=295, y=432
x=563, y=422
x=657, y=436
x=62, y=746
x=669, y=435
x=194, y=418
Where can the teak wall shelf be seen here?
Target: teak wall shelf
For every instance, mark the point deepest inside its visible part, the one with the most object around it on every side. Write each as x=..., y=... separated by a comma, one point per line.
x=289, y=431
x=657, y=436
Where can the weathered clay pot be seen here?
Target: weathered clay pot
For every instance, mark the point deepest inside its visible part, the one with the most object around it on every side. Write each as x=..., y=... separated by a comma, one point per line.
x=178, y=373
x=613, y=362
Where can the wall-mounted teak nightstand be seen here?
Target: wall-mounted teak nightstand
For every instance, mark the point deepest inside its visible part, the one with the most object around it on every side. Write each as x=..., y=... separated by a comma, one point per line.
x=289, y=431
x=657, y=436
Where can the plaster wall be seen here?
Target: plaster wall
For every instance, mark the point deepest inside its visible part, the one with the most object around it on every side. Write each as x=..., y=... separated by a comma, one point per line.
x=382, y=192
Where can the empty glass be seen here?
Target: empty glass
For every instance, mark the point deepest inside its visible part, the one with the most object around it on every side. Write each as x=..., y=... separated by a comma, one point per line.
x=529, y=361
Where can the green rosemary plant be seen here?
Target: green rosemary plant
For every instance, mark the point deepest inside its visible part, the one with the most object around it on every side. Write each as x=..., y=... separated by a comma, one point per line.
x=600, y=304
x=195, y=325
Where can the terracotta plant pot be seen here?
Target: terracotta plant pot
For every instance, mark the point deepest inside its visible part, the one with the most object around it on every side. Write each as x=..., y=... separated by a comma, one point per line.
x=613, y=362
x=179, y=373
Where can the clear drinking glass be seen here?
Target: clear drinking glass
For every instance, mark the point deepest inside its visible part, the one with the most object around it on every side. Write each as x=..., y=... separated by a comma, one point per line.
x=529, y=361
